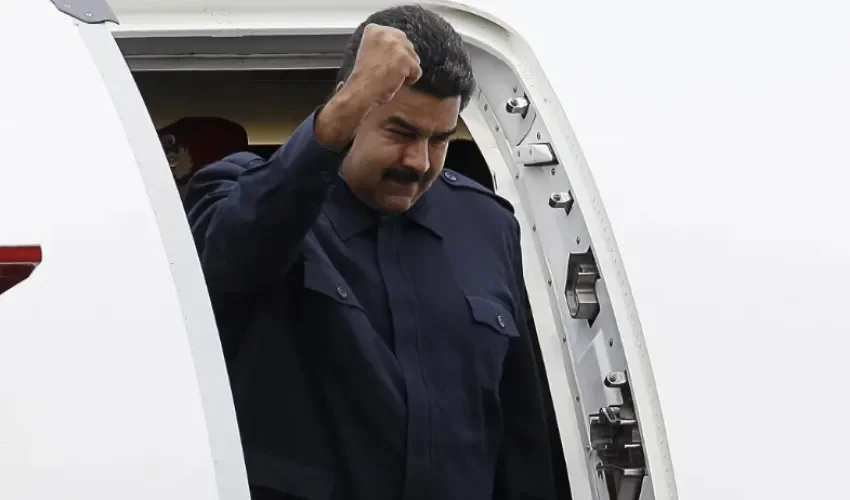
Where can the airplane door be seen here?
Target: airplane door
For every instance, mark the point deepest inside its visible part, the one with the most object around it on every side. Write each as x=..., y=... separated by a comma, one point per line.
x=112, y=380
x=598, y=369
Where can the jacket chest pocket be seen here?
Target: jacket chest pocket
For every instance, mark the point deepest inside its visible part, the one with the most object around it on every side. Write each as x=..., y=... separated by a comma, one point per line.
x=493, y=328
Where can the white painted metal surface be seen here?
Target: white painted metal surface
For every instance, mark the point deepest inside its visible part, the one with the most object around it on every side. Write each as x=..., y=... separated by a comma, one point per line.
x=716, y=136
x=107, y=353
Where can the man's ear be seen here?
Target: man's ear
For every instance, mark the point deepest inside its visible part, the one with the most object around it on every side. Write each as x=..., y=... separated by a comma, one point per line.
x=338, y=86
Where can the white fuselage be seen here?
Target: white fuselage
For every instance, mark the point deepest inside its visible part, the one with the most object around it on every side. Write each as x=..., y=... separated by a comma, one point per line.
x=705, y=145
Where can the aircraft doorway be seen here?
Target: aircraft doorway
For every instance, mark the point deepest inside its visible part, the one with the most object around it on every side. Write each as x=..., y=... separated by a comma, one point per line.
x=205, y=115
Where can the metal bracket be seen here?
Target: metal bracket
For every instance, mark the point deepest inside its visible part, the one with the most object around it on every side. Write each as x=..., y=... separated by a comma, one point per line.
x=518, y=106
x=508, y=100
x=615, y=437
x=535, y=155
x=580, y=290
x=87, y=11
x=520, y=109
x=562, y=200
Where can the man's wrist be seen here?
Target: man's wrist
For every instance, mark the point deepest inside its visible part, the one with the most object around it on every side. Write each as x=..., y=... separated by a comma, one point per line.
x=336, y=122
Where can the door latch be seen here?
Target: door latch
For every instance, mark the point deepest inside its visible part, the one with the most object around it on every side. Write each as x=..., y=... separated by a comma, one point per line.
x=580, y=290
x=615, y=437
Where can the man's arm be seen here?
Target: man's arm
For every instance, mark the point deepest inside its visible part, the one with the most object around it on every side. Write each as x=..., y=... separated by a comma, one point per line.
x=250, y=229
x=249, y=216
x=524, y=469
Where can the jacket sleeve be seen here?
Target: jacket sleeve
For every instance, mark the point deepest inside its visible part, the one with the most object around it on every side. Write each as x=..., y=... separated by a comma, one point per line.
x=249, y=216
x=524, y=470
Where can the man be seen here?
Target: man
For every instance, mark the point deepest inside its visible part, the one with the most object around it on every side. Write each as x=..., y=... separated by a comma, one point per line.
x=194, y=141
x=371, y=306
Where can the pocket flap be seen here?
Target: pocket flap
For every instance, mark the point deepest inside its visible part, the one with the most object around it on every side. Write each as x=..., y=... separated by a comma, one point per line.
x=487, y=311
x=287, y=477
x=322, y=278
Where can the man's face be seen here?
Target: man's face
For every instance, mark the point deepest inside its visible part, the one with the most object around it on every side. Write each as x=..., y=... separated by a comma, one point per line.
x=399, y=149
x=178, y=156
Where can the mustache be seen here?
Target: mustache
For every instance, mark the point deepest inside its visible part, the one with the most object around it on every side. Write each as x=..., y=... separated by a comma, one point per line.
x=405, y=175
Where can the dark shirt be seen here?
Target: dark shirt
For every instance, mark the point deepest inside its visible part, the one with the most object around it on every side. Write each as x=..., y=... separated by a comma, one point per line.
x=371, y=358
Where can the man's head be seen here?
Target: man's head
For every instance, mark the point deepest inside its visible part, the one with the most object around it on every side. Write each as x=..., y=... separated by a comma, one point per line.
x=400, y=147
x=194, y=141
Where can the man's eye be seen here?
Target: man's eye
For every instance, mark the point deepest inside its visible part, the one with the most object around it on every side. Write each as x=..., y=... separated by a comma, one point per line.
x=400, y=133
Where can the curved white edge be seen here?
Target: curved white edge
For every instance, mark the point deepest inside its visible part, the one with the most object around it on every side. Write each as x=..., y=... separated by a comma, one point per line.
x=183, y=261
x=717, y=137
x=545, y=317
x=489, y=33
x=100, y=398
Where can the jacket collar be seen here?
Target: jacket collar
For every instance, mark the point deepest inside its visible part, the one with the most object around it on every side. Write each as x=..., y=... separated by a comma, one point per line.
x=350, y=216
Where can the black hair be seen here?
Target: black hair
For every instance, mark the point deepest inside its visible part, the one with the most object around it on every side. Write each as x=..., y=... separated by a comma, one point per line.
x=446, y=68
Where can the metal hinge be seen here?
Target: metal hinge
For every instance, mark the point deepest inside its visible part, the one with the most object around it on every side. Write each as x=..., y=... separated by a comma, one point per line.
x=615, y=437
x=87, y=11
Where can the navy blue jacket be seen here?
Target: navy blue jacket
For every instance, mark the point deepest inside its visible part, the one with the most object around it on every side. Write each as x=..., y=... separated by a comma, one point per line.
x=370, y=357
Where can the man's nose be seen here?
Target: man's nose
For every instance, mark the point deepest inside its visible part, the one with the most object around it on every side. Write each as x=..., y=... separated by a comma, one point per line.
x=416, y=156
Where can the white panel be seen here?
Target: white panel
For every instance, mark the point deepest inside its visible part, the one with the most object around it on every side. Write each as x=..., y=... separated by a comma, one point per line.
x=717, y=136
x=97, y=380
